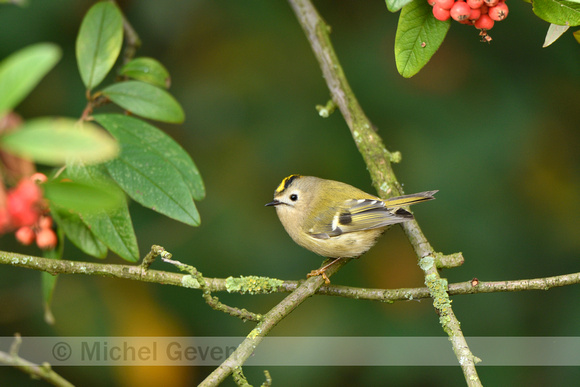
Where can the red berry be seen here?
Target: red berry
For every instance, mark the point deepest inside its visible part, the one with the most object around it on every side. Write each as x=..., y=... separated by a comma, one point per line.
x=460, y=11
x=445, y=4
x=25, y=235
x=45, y=222
x=499, y=12
x=21, y=210
x=432, y=2
x=484, y=23
x=475, y=14
x=46, y=239
x=28, y=191
x=491, y=3
x=474, y=3
x=483, y=9
x=440, y=13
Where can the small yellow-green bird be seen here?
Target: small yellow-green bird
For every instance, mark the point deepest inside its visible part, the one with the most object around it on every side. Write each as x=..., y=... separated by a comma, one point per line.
x=337, y=220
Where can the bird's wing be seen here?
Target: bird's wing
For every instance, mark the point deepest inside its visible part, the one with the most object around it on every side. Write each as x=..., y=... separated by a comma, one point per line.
x=356, y=215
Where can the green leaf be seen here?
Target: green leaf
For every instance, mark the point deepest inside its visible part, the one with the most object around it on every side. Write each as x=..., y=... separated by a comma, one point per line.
x=576, y=35
x=48, y=284
x=54, y=140
x=82, y=196
x=554, y=33
x=112, y=226
x=396, y=5
x=418, y=37
x=147, y=70
x=99, y=42
x=153, y=169
x=559, y=12
x=145, y=100
x=78, y=233
x=132, y=130
x=115, y=229
x=21, y=72
x=48, y=281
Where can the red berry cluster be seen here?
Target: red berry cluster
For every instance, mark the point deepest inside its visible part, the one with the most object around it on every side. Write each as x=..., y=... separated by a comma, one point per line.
x=24, y=211
x=480, y=13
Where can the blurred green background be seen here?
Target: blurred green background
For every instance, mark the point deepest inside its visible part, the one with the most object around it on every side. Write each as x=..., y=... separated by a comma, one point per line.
x=494, y=127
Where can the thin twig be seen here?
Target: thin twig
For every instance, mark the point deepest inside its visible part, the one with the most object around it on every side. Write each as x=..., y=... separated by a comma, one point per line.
x=132, y=40
x=269, y=321
x=43, y=371
x=214, y=302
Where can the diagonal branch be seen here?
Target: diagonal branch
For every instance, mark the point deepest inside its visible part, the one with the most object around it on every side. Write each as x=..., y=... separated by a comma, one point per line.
x=268, y=322
x=378, y=161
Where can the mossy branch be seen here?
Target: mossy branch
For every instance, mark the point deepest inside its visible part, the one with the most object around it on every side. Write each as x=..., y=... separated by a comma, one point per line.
x=264, y=285
x=378, y=162
x=305, y=290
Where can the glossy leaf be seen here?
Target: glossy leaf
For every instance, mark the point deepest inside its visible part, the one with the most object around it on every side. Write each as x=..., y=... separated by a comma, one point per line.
x=78, y=233
x=396, y=5
x=115, y=229
x=152, y=169
x=145, y=100
x=561, y=12
x=132, y=130
x=554, y=33
x=52, y=141
x=147, y=70
x=419, y=36
x=99, y=42
x=112, y=226
x=81, y=197
x=21, y=72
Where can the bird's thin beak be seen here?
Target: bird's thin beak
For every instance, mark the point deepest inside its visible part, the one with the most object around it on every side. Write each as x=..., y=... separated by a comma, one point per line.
x=273, y=203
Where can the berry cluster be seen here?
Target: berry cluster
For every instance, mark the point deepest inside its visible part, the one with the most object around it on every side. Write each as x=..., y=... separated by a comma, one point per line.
x=480, y=13
x=24, y=211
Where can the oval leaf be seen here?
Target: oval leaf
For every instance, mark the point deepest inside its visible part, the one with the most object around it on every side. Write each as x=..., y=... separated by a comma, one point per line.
x=21, y=72
x=54, y=140
x=132, y=130
x=80, y=196
x=418, y=37
x=115, y=229
x=554, y=33
x=99, y=42
x=145, y=100
x=112, y=226
x=78, y=233
x=144, y=171
x=396, y=5
x=147, y=70
x=561, y=12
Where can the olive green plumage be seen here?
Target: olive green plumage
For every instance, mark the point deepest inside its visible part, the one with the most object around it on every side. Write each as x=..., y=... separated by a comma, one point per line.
x=334, y=219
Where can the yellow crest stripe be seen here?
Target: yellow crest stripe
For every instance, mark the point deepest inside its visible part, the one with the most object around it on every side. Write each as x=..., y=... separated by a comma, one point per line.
x=285, y=183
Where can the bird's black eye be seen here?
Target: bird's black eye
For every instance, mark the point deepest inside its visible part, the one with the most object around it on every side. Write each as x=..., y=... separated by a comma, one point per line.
x=293, y=197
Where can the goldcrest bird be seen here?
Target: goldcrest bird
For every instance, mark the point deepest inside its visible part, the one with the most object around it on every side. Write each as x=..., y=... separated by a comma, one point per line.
x=337, y=220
